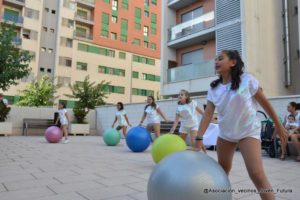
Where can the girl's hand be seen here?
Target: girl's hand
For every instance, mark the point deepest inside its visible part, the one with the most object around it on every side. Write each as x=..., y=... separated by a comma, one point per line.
x=112, y=126
x=172, y=130
x=282, y=134
x=200, y=146
x=129, y=124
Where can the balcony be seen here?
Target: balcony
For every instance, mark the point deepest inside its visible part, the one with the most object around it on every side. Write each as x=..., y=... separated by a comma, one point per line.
x=15, y=3
x=86, y=3
x=178, y=4
x=13, y=19
x=192, y=71
x=186, y=33
x=17, y=41
x=84, y=19
x=83, y=36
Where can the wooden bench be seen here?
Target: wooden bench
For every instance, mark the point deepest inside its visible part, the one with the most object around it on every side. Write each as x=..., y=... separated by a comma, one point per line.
x=166, y=126
x=36, y=123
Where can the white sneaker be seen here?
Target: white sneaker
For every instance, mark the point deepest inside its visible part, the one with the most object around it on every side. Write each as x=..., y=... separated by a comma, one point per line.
x=66, y=141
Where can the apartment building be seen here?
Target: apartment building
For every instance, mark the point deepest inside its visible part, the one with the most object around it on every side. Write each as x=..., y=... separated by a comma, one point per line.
x=113, y=40
x=195, y=31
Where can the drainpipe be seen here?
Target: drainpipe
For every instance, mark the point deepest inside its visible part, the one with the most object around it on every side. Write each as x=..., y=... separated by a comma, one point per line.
x=286, y=39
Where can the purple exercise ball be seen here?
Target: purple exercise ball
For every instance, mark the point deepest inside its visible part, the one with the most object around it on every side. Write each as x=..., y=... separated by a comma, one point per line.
x=53, y=134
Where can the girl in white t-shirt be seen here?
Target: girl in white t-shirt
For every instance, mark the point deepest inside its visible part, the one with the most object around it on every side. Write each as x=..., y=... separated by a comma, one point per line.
x=64, y=120
x=152, y=114
x=186, y=113
x=235, y=96
x=121, y=117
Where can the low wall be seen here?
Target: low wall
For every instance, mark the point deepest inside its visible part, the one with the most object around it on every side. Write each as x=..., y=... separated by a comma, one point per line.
x=17, y=114
x=105, y=114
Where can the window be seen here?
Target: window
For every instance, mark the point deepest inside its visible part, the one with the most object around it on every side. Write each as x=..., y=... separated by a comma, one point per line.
x=142, y=92
x=66, y=42
x=42, y=69
x=45, y=29
x=47, y=9
x=124, y=30
x=146, y=44
x=125, y=4
x=140, y=59
x=81, y=66
x=151, y=77
x=146, y=13
x=67, y=23
x=106, y=1
x=65, y=61
x=113, y=36
x=114, y=19
x=114, y=5
x=153, y=46
x=135, y=74
x=43, y=49
x=136, y=42
x=96, y=50
x=105, y=24
x=53, y=11
x=50, y=50
x=51, y=30
x=29, y=34
x=146, y=2
x=146, y=29
x=122, y=55
x=154, y=2
x=137, y=26
x=64, y=81
x=195, y=56
x=69, y=4
x=137, y=18
x=192, y=14
x=49, y=70
x=31, y=13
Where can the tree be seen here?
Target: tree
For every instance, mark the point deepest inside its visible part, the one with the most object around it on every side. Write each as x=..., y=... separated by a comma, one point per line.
x=39, y=93
x=4, y=110
x=14, y=62
x=89, y=95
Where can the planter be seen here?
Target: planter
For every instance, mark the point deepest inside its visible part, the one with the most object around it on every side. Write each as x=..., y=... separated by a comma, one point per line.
x=79, y=129
x=5, y=128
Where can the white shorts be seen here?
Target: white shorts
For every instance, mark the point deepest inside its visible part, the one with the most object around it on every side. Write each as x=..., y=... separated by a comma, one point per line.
x=238, y=138
x=64, y=122
x=186, y=130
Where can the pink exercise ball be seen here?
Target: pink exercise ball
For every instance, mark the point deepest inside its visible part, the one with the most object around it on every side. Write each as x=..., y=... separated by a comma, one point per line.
x=53, y=134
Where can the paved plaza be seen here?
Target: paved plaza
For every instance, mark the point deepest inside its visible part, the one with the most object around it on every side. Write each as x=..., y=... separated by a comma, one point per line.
x=86, y=169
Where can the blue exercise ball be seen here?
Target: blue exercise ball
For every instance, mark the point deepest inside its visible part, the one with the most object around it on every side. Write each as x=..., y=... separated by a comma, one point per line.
x=189, y=176
x=138, y=139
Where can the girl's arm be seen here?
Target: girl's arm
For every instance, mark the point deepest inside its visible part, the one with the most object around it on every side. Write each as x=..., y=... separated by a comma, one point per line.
x=206, y=119
x=126, y=118
x=56, y=122
x=143, y=118
x=114, y=122
x=198, y=109
x=175, y=124
x=265, y=104
x=161, y=114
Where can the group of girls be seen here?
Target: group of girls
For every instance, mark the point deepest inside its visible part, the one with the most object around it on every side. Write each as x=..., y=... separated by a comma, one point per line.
x=235, y=95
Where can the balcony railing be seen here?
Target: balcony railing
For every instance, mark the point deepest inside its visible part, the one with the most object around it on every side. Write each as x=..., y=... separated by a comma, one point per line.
x=13, y=18
x=18, y=2
x=87, y=2
x=17, y=41
x=85, y=36
x=192, y=26
x=86, y=19
x=192, y=71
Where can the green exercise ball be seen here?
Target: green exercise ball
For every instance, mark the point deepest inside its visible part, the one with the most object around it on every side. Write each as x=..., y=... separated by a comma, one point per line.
x=166, y=145
x=111, y=137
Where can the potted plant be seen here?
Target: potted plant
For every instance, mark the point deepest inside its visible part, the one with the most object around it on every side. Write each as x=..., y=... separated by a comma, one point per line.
x=5, y=127
x=88, y=95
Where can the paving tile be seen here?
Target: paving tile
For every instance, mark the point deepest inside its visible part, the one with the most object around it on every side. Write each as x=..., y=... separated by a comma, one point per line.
x=19, y=185
x=74, y=187
x=68, y=196
x=26, y=194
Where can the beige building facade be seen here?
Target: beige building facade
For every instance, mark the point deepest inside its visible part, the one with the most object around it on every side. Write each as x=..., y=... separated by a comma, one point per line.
x=195, y=31
x=63, y=37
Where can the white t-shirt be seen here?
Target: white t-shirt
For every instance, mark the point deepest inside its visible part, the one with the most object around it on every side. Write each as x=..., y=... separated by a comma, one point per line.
x=237, y=109
x=62, y=116
x=187, y=114
x=121, y=118
x=152, y=115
